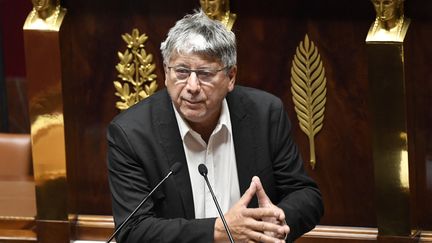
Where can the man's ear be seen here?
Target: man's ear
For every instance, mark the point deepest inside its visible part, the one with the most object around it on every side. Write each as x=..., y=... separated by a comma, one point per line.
x=232, y=74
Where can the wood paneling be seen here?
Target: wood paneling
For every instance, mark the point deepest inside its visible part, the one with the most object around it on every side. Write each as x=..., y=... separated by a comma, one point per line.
x=91, y=37
x=268, y=33
x=266, y=45
x=419, y=92
x=53, y=231
x=15, y=117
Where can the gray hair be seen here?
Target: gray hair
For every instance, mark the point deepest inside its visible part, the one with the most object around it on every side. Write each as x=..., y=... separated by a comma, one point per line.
x=197, y=33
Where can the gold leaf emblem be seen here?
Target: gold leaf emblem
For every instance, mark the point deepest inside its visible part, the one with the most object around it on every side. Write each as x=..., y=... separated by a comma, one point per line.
x=309, y=91
x=135, y=70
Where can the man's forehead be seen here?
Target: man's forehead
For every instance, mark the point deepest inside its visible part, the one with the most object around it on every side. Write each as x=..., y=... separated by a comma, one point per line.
x=189, y=57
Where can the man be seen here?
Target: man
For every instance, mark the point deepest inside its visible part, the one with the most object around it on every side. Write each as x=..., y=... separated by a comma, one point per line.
x=241, y=134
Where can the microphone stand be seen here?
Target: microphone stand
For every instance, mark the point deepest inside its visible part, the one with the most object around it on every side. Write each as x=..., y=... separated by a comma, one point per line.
x=203, y=171
x=174, y=170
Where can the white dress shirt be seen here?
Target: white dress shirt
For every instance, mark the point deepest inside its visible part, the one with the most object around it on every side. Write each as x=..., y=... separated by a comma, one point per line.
x=219, y=157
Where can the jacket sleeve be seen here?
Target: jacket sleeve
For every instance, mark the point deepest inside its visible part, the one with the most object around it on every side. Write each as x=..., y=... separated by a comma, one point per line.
x=129, y=184
x=299, y=195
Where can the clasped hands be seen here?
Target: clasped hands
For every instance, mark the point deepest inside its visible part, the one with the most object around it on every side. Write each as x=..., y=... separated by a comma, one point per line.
x=263, y=224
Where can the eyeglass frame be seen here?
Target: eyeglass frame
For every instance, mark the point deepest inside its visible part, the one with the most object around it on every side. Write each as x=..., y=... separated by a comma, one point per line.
x=197, y=72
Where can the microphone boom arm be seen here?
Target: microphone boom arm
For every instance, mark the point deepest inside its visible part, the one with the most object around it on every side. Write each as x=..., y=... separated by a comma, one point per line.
x=138, y=207
x=202, y=169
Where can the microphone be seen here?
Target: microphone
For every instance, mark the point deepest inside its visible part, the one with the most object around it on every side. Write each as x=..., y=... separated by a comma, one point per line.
x=173, y=170
x=203, y=171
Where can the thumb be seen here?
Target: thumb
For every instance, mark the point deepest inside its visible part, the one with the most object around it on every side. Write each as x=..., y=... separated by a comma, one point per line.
x=263, y=199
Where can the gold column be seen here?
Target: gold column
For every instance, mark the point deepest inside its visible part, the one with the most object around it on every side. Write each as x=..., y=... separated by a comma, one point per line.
x=385, y=46
x=42, y=52
x=386, y=82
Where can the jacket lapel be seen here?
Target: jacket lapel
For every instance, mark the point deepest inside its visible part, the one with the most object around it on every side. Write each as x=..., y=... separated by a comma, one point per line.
x=172, y=144
x=243, y=127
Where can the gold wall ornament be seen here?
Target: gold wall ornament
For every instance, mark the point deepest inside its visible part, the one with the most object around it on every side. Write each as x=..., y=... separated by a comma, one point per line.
x=135, y=68
x=309, y=91
x=390, y=23
x=219, y=10
x=45, y=15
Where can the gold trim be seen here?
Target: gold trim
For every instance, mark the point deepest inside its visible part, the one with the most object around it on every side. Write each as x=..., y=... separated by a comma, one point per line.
x=94, y=221
x=309, y=91
x=342, y=232
x=32, y=238
x=17, y=218
x=135, y=68
x=426, y=236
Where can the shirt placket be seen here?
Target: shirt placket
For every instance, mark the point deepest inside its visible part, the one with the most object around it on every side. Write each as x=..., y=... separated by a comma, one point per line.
x=211, y=210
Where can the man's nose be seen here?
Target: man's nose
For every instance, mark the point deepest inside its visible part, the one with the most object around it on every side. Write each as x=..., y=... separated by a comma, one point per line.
x=193, y=83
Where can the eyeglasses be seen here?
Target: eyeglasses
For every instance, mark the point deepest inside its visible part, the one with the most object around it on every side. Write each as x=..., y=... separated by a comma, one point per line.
x=204, y=75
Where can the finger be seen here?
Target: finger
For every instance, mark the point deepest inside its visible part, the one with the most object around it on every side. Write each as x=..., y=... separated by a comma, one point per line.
x=269, y=228
x=261, y=237
x=284, y=233
x=287, y=230
x=261, y=213
x=248, y=195
x=263, y=199
x=281, y=217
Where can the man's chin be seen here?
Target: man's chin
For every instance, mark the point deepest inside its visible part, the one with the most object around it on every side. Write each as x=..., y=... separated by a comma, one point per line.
x=192, y=115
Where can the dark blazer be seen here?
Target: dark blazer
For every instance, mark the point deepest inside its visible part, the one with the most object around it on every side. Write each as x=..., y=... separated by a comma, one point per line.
x=144, y=142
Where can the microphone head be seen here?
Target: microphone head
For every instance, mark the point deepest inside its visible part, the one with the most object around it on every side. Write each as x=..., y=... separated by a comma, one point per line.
x=175, y=167
x=202, y=169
